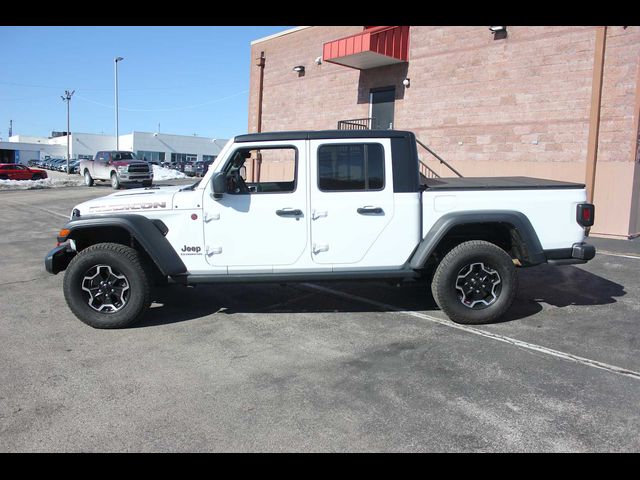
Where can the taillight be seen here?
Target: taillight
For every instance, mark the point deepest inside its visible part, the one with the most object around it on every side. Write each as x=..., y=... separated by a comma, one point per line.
x=585, y=214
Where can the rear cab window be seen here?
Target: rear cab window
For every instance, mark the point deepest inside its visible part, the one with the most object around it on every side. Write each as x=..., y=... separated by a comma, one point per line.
x=351, y=167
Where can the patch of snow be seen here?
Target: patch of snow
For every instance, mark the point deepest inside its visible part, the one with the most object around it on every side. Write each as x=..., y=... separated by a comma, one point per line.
x=161, y=173
x=39, y=184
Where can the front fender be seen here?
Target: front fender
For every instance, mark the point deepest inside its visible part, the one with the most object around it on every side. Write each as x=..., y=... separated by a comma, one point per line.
x=150, y=234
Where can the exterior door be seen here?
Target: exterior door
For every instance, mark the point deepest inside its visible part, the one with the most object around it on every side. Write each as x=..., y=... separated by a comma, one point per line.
x=382, y=108
x=101, y=166
x=351, y=201
x=259, y=225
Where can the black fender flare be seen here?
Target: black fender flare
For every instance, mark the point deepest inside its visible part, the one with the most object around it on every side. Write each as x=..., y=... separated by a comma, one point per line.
x=444, y=224
x=149, y=233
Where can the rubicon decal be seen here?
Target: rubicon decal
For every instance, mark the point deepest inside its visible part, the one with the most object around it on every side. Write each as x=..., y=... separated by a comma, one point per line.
x=128, y=206
x=187, y=250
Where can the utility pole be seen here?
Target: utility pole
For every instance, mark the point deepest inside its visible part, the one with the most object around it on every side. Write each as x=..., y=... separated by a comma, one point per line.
x=116, y=60
x=67, y=98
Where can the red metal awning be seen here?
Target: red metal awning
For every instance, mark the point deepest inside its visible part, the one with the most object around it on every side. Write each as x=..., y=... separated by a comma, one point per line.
x=374, y=47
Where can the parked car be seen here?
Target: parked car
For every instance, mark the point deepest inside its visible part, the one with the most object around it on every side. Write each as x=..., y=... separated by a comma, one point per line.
x=15, y=171
x=202, y=168
x=190, y=169
x=53, y=163
x=73, y=166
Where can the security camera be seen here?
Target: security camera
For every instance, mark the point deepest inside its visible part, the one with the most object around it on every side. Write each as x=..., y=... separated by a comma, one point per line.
x=319, y=61
x=406, y=82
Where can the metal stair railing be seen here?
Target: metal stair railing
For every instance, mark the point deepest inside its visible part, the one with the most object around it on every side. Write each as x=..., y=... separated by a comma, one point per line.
x=439, y=158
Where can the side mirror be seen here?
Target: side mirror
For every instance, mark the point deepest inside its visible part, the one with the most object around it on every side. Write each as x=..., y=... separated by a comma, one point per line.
x=219, y=184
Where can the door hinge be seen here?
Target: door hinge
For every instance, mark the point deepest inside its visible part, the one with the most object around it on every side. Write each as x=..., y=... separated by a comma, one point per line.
x=212, y=250
x=211, y=216
x=320, y=247
x=318, y=214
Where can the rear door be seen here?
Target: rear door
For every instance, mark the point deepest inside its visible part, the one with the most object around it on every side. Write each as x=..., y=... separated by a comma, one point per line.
x=352, y=199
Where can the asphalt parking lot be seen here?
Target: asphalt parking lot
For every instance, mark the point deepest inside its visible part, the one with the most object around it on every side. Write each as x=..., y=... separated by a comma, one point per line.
x=315, y=367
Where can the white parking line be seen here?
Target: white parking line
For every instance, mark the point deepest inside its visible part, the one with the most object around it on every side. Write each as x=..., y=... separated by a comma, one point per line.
x=15, y=204
x=611, y=254
x=476, y=331
x=53, y=213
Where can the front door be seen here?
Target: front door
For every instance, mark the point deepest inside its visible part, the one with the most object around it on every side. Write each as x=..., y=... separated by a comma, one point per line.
x=351, y=203
x=382, y=108
x=261, y=224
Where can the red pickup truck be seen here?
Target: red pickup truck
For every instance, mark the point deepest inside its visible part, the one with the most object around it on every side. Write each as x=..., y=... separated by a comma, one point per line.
x=15, y=171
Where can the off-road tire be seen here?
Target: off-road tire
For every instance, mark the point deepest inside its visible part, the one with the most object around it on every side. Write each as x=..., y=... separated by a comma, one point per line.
x=36, y=176
x=4, y=177
x=124, y=260
x=88, y=180
x=147, y=183
x=459, y=261
x=115, y=181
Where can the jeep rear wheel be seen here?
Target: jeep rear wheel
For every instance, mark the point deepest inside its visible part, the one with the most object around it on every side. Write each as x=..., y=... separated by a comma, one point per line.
x=88, y=181
x=107, y=286
x=476, y=282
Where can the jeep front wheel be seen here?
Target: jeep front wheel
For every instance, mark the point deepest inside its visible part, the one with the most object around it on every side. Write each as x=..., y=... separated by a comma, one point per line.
x=107, y=286
x=476, y=282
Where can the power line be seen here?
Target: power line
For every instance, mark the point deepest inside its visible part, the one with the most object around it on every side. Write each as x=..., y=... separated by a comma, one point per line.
x=178, y=87
x=173, y=109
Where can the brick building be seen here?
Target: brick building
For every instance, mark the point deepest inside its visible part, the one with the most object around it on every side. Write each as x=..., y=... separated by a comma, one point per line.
x=519, y=101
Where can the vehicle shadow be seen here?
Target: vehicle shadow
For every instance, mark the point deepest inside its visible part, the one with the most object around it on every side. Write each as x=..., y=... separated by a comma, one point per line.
x=560, y=286
x=557, y=286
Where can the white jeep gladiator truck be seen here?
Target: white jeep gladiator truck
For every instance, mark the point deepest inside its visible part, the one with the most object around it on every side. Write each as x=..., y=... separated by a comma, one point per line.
x=118, y=167
x=325, y=205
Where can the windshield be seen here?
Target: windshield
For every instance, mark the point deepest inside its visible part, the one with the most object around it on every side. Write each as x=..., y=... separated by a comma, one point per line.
x=123, y=156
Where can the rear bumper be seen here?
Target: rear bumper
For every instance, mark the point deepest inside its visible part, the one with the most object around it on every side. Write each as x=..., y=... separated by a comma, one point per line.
x=578, y=253
x=58, y=259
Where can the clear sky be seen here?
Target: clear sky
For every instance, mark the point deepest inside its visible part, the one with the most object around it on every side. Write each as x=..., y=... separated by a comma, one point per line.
x=187, y=79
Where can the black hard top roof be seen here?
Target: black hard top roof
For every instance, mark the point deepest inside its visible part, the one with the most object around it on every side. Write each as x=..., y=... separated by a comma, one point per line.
x=321, y=134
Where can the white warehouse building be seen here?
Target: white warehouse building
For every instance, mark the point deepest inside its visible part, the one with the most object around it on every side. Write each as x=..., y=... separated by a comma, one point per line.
x=154, y=147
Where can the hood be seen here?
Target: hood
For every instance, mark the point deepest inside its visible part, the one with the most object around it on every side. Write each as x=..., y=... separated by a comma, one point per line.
x=136, y=200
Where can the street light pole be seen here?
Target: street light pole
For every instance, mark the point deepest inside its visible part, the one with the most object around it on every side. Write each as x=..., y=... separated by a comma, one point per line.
x=67, y=98
x=116, y=60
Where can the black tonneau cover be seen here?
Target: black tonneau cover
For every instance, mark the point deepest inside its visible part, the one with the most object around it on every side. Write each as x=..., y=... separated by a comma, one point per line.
x=495, y=183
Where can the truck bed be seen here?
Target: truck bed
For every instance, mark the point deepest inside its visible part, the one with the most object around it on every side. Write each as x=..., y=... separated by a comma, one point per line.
x=496, y=183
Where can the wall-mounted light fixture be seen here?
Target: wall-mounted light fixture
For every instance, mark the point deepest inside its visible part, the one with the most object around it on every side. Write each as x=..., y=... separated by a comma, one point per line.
x=299, y=69
x=406, y=82
x=319, y=60
x=498, y=32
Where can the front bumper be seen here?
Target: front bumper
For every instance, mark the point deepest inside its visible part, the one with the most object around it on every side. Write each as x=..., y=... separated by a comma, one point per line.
x=58, y=259
x=578, y=253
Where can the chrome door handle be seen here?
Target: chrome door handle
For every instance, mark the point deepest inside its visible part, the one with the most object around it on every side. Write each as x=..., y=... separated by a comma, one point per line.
x=287, y=212
x=370, y=211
